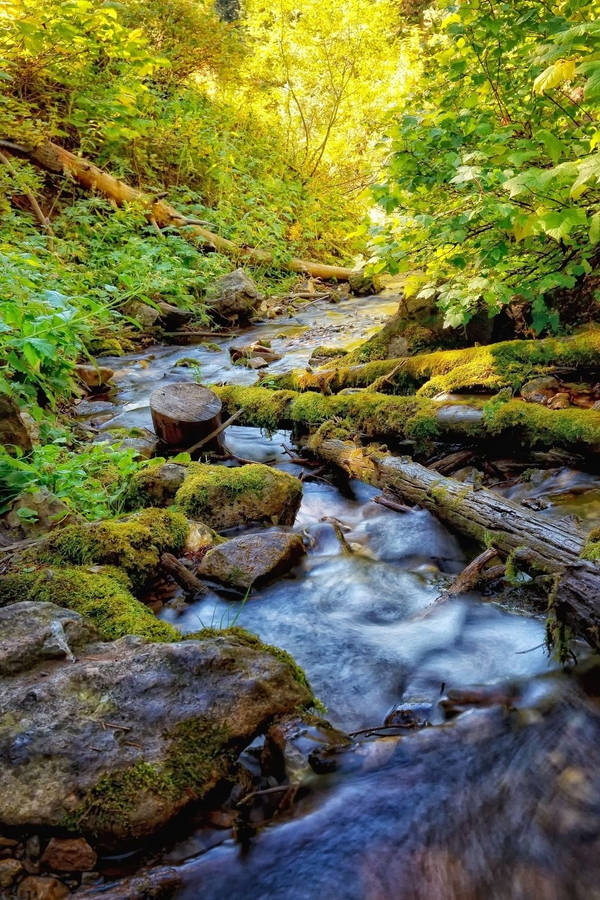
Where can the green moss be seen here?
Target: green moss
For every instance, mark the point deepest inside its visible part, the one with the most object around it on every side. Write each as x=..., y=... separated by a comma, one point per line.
x=537, y=426
x=102, y=597
x=507, y=364
x=198, y=755
x=591, y=550
x=133, y=544
x=221, y=496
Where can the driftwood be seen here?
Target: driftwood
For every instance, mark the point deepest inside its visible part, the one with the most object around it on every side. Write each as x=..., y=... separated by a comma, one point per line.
x=186, y=414
x=54, y=158
x=184, y=578
x=551, y=547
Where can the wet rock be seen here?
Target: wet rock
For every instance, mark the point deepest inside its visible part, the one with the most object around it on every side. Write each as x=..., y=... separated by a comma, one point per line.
x=252, y=558
x=32, y=515
x=36, y=887
x=146, y=315
x=173, y=316
x=200, y=538
x=539, y=390
x=415, y=714
x=10, y=871
x=94, y=377
x=97, y=410
x=69, y=855
x=296, y=746
x=12, y=428
x=234, y=296
x=254, y=356
x=117, y=743
x=33, y=632
x=223, y=497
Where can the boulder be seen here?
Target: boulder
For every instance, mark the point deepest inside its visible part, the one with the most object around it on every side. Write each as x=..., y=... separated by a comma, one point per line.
x=234, y=296
x=69, y=855
x=155, y=485
x=12, y=427
x=224, y=497
x=112, y=746
x=252, y=558
x=33, y=632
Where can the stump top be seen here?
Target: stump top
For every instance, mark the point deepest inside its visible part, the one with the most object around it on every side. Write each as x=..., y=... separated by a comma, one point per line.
x=185, y=401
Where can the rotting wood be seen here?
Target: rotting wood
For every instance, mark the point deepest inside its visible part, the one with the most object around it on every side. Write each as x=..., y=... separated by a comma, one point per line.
x=184, y=578
x=553, y=547
x=184, y=412
x=54, y=158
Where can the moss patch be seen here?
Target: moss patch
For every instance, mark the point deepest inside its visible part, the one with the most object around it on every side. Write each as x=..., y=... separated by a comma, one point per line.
x=102, y=597
x=133, y=544
x=591, y=550
x=222, y=497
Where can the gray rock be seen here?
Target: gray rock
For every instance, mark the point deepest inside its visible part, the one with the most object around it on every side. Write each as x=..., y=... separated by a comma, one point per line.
x=234, y=296
x=539, y=390
x=155, y=486
x=33, y=632
x=117, y=743
x=146, y=315
x=12, y=427
x=251, y=558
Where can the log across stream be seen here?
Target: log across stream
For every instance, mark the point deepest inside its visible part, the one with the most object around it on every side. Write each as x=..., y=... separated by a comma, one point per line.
x=422, y=810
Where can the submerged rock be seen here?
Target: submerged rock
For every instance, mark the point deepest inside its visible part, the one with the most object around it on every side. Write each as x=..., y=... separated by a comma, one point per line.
x=234, y=296
x=252, y=558
x=115, y=744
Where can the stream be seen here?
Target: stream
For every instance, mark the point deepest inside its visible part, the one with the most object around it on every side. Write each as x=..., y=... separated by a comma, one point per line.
x=493, y=803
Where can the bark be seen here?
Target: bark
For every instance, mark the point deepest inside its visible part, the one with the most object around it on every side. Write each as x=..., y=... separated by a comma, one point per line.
x=54, y=158
x=551, y=547
x=184, y=578
x=515, y=424
x=186, y=414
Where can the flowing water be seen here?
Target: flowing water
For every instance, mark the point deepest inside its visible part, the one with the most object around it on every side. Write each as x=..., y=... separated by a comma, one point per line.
x=495, y=803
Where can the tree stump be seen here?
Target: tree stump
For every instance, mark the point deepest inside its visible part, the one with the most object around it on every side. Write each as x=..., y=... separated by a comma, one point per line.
x=184, y=413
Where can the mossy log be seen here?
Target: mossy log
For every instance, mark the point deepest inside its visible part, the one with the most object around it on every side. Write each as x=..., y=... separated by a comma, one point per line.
x=484, y=369
x=394, y=419
x=550, y=546
x=54, y=158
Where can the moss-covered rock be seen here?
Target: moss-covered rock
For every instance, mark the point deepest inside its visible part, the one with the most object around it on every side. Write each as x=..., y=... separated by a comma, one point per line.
x=102, y=597
x=252, y=558
x=223, y=497
x=154, y=485
x=114, y=744
x=133, y=544
x=591, y=550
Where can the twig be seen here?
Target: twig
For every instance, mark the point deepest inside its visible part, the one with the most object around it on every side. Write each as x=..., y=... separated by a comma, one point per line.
x=392, y=504
x=272, y=790
x=184, y=578
x=37, y=210
x=216, y=432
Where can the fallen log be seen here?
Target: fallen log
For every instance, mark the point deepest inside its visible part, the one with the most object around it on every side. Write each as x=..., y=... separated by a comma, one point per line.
x=54, y=158
x=191, y=585
x=419, y=419
x=549, y=546
x=485, y=369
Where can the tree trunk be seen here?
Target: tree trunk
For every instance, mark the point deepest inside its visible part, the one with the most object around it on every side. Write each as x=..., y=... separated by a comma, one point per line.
x=184, y=413
x=551, y=547
x=56, y=159
x=395, y=419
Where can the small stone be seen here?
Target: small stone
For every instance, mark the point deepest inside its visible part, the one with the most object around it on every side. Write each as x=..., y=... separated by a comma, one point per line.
x=69, y=855
x=251, y=558
x=221, y=819
x=12, y=427
x=32, y=844
x=10, y=870
x=143, y=313
x=38, y=888
x=94, y=377
x=539, y=390
x=559, y=401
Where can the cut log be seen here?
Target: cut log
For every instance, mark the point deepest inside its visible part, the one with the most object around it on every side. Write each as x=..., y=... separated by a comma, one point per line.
x=515, y=423
x=184, y=413
x=551, y=547
x=54, y=158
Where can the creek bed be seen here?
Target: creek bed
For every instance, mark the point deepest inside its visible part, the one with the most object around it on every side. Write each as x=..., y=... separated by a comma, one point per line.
x=495, y=804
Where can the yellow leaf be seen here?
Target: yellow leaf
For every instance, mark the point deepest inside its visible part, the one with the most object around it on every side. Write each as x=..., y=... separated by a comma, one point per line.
x=559, y=72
